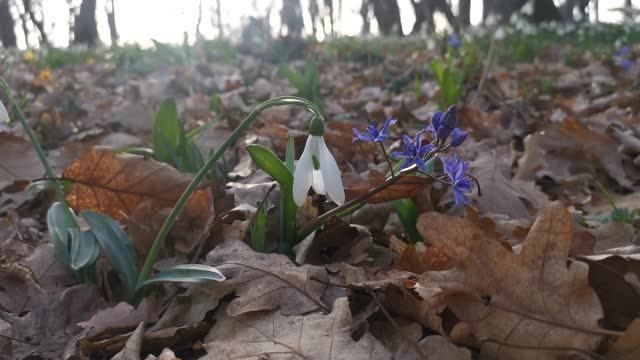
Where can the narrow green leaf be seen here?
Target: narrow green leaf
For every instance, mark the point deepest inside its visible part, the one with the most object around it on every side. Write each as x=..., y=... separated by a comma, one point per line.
x=289, y=156
x=408, y=213
x=84, y=248
x=200, y=129
x=271, y=164
x=58, y=224
x=259, y=229
x=167, y=124
x=117, y=248
x=194, y=273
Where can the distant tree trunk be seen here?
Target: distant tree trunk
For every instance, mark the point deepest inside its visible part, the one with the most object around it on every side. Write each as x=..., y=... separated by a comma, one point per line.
x=387, y=15
x=464, y=13
x=111, y=20
x=329, y=5
x=596, y=9
x=567, y=10
x=314, y=12
x=545, y=10
x=25, y=28
x=199, y=22
x=72, y=19
x=446, y=9
x=364, y=14
x=423, y=10
x=38, y=23
x=7, y=26
x=86, y=29
x=627, y=15
x=291, y=18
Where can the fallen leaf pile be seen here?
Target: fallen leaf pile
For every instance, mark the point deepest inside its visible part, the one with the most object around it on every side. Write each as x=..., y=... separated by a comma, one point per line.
x=543, y=265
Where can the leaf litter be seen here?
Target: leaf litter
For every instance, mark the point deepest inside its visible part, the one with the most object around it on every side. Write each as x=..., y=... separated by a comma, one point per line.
x=527, y=273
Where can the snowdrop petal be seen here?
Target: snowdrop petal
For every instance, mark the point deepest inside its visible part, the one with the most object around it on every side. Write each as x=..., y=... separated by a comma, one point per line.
x=330, y=174
x=4, y=115
x=318, y=182
x=302, y=176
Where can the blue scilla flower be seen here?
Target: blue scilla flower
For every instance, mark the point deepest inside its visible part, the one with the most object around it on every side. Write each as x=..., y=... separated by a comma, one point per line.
x=623, y=51
x=625, y=64
x=453, y=41
x=373, y=134
x=458, y=137
x=443, y=124
x=413, y=152
x=456, y=170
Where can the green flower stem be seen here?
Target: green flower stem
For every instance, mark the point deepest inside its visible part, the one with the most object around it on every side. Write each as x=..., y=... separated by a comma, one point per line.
x=177, y=209
x=288, y=210
x=84, y=274
x=4, y=88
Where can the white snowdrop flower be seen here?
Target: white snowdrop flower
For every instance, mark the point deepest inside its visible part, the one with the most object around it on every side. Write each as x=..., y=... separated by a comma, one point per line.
x=4, y=115
x=317, y=168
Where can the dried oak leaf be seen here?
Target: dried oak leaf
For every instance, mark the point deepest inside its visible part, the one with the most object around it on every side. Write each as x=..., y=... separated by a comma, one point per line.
x=270, y=334
x=140, y=191
x=406, y=187
x=264, y=281
x=115, y=184
x=534, y=300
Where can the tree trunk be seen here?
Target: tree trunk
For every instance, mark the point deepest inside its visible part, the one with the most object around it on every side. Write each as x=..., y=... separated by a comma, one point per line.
x=86, y=29
x=444, y=7
x=387, y=15
x=7, y=26
x=364, y=14
x=38, y=23
x=291, y=18
x=314, y=12
x=464, y=13
x=628, y=6
x=545, y=10
x=329, y=4
x=111, y=20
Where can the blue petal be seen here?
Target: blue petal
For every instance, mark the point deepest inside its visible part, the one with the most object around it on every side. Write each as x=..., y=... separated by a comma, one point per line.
x=459, y=136
x=402, y=155
x=425, y=149
x=362, y=136
x=435, y=121
x=385, y=128
x=421, y=165
x=406, y=163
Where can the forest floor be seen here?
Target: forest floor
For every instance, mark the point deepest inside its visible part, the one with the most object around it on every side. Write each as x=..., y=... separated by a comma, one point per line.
x=541, y=264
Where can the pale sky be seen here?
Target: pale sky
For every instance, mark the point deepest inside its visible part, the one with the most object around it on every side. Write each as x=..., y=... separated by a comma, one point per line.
x=138, y=21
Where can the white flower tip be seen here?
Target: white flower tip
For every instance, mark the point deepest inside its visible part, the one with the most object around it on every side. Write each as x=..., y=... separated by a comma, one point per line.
x=4, y=115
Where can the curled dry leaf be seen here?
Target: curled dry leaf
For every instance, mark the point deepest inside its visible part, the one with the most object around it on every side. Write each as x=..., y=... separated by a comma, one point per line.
x=131, y=350
x=131, y=188
x=263, y=334
x=628, y=345
x=264, y=281
x=406, y=187
x=534, y=300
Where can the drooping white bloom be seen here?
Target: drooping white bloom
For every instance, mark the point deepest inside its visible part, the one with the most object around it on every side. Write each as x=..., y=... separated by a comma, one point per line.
x=4, y=115
x=318, y=169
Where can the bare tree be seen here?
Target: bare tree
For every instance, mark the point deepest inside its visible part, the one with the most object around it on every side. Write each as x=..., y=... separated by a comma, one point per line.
x=7, y=26
x=364, y=13
x=111, y=20
x=424, y=10
x=199, y=36
x=86, y=29
x=37, y=22
x=314, y=12
x=464, y=13
x=387, y=15
x=291, y=18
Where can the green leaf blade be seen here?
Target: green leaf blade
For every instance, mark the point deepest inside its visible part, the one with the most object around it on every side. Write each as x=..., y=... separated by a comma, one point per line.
x=117, y=247
x=84, y=248
x=166, y=131
x=193, y=273
x=271, y=164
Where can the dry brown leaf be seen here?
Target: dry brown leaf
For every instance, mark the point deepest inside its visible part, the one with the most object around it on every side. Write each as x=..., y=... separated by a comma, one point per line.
x=18, y=161
x=439, y=347
x=539, y=298
x=406, y=187
x=273, y=335
x=131, y=350
x=628, y=345
x=264, y=281
x=130, y=188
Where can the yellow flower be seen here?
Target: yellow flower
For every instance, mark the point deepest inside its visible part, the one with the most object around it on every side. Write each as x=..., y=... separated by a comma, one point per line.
x=43, y=78
x=29, y=56
x=91, y=61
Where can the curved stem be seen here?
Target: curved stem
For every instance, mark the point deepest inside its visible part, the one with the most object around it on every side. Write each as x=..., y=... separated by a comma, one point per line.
x=177, y=209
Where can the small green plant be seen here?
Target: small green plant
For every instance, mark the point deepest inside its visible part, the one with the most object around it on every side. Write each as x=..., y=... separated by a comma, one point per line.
x=450, y=74
x=630, y=216
x=79, y=249
x=307, y=82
